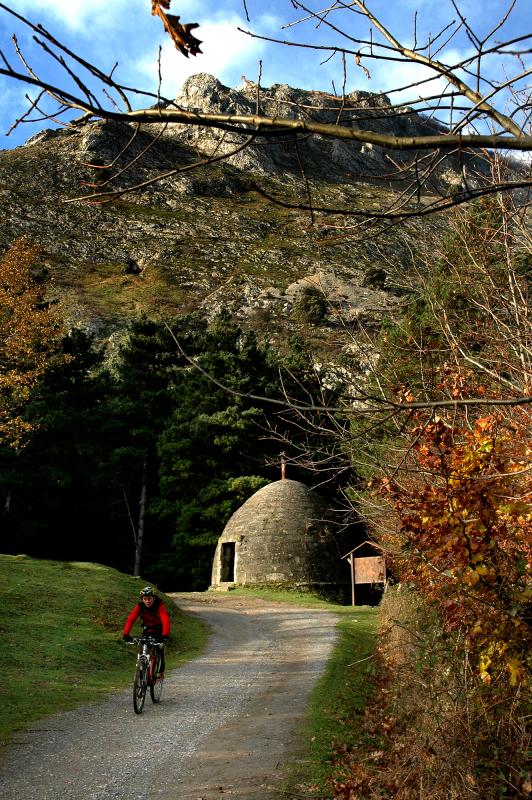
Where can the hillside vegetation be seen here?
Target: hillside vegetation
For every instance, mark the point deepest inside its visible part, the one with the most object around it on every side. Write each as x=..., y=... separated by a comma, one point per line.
x=206, y=238
x=61, y=635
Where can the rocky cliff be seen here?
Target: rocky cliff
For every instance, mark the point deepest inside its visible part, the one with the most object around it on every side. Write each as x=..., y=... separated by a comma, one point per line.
x=205, y=238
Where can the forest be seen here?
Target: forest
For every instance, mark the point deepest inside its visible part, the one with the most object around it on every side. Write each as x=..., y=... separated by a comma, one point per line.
x=134, y=459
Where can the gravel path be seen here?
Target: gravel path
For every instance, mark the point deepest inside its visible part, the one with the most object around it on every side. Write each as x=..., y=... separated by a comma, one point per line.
x=224, y=727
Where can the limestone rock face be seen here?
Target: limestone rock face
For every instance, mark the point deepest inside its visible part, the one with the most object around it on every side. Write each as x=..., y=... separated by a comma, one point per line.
x=279, y=537
x=322, y=156
x=203, y=237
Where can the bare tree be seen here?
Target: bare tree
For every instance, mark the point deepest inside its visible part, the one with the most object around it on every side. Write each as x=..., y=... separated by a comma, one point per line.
x=473, y=116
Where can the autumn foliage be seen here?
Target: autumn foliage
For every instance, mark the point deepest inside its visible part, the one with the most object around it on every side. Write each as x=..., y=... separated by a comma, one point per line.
x=465, y=533
x=29, y=333
x=449, y=497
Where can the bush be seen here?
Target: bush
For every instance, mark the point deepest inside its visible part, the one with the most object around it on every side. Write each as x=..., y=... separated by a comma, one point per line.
x=449, y=734
x=311, y=306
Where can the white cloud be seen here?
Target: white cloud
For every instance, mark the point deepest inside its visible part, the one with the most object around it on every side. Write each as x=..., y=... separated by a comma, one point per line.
x=406, y=74
x=226, y=52
x=13, y=104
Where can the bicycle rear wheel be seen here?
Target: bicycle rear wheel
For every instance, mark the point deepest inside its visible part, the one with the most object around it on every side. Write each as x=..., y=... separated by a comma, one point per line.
x=156, y=689
x=139, y=688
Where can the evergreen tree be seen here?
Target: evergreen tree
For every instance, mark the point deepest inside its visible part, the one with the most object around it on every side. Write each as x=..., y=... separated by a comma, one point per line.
x=139, y=406
x=58, y=506
x=212, y=457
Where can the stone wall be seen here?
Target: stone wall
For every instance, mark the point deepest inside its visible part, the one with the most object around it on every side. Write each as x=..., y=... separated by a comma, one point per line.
x=279, y=537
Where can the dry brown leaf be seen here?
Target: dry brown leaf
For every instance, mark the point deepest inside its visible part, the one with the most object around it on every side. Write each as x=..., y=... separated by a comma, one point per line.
x=181, y=35
x=358, y=59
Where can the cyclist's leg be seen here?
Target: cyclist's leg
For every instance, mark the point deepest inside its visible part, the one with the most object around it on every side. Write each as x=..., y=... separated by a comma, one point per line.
x=154, y=656
x=161, y=659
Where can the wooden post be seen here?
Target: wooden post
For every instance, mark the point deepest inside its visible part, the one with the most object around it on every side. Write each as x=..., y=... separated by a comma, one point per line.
x=352, y=565
x=283, y=467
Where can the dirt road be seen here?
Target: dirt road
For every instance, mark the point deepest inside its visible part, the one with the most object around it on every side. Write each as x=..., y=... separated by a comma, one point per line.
x=224, y=727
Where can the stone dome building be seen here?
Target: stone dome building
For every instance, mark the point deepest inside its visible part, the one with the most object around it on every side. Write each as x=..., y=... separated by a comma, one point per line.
x=279, y=537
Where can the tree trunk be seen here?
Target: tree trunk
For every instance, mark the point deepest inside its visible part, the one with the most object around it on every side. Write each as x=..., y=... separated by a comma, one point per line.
x=140, y=528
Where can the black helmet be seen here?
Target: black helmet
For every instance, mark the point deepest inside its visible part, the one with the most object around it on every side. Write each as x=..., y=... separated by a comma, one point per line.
x=148, y=591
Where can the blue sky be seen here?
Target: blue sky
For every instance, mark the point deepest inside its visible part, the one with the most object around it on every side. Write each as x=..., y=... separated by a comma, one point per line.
x=123, y=31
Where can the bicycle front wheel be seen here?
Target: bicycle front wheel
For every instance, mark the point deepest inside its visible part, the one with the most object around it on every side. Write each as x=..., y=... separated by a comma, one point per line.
x=139, y=688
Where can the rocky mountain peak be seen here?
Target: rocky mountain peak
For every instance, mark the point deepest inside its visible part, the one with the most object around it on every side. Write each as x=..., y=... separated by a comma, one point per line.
x=204, y=92
x=202, y=237
x=323, y=157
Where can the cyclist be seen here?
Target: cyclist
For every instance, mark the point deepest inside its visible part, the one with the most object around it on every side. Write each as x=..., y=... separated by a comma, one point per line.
x=154, y=618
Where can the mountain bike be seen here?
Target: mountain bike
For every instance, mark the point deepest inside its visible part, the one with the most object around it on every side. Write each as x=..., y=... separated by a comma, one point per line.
x=147, y=672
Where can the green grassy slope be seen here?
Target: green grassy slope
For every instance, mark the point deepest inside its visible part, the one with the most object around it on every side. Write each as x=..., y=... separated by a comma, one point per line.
x=332, y=726
x=61, y=635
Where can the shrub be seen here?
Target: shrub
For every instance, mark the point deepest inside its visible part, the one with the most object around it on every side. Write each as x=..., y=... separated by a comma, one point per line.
x=311, y=306
x=445, y=734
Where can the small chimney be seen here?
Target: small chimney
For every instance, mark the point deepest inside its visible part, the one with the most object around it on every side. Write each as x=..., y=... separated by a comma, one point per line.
x=283, y=467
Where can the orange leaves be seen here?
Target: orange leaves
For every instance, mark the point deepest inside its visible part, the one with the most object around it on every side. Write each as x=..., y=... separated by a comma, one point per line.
x=180, y=34
x=465, y=515
x=358, y=60
x=28, y=334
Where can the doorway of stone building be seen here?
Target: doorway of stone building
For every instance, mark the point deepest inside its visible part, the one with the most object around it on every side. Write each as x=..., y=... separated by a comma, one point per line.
x=228, y=563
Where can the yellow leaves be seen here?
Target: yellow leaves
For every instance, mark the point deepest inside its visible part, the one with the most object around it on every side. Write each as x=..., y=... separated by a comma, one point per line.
x=485, y=662
x=471, y=577
x=501, y=655
x=518, y=509
x=29, y=332
x=498, y=655
x=516, y=670
x=466, y=511
x=487, y=573
x=180, y=34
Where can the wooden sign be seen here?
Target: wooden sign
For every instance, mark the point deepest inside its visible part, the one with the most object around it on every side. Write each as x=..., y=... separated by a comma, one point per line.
x=370, y=570
x=365, y=569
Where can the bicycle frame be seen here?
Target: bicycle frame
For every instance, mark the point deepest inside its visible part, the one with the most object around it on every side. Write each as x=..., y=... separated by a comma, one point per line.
x=147, y=655
x=146, y=671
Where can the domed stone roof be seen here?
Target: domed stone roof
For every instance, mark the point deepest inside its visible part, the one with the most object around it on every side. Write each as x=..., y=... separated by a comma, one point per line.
x=278, y=536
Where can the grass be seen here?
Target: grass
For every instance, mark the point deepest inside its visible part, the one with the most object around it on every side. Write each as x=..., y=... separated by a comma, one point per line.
x=332, y=725
x=61, y=636
x=290, y=596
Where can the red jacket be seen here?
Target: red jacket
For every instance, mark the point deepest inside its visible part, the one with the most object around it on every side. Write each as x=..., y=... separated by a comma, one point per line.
x=155, y=619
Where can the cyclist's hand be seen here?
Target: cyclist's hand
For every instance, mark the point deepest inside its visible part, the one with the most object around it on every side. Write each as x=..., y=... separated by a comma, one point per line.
x=127, y=638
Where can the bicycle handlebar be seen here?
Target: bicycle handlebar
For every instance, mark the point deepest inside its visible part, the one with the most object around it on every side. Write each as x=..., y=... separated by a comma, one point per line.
x=146, y=640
